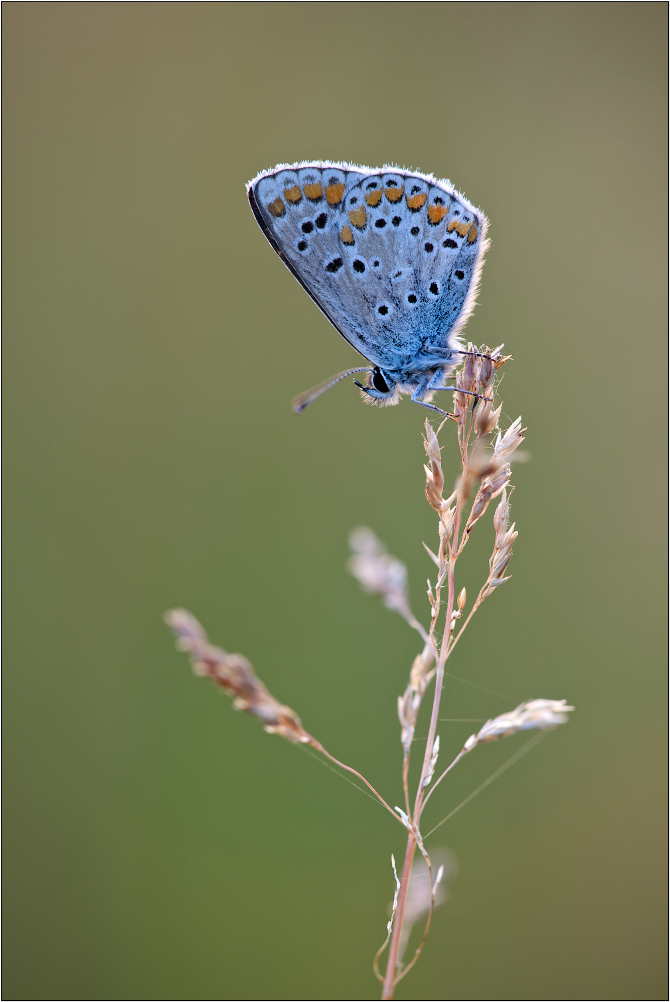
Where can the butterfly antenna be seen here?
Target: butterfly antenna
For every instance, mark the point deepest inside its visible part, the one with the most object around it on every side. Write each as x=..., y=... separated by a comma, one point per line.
x=309, y=396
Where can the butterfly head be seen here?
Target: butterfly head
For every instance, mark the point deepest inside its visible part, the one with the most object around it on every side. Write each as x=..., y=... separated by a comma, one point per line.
x=380, y=388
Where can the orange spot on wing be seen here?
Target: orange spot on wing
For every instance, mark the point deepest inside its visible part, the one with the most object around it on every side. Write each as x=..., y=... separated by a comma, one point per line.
x=334, y=193
x=313, y=192
x=276, y=208
x=416, y=202
x=374, y=197
x=436, y=213
x=358, y=217
x=461, y=228
x=472, y=235
x=393, y=194
x=346, y=236
x=293, y=194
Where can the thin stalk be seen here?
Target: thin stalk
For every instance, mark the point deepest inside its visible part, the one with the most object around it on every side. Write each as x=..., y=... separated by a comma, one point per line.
x=417, y=952
x=437, y=781
x=405, y=781
x=389, y=979
x=319, y=747
x=444, y=653
x=478, y=602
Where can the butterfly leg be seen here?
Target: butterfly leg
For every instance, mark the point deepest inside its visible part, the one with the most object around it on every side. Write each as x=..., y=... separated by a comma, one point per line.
x=492, y=355
x=435, y=382
x=420, y=390
x=438, y=410
x=476, y=354
x=456, y=389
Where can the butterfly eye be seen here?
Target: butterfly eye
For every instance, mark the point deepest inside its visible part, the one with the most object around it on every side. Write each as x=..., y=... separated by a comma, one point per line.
x=379, y=382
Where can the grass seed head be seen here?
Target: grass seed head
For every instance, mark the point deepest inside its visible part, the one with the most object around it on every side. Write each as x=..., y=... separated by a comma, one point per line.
x=511, y=440
x=538, y=714
x=485, y=375
x=487, y=418
x=378, y=572
x=235, y=675
x=501, y=515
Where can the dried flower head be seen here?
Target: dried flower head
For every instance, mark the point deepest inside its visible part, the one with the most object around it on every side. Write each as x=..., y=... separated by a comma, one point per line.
x=434, y=453
x=234, y=674
x=502, y=548
x=465, y=381
x=481, y=463
x=490, y=487
x=434, y=474
x=511, y=440
x=477, y=376
x=485, y=375
x=433, y=762
x=378, y=572
x=409, y=703
x=499, y=359
x=539, y=714
x=382, y=574
x=487, y=418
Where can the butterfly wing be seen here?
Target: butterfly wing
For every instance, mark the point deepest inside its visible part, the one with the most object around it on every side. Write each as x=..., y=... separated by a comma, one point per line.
x=391, y=257
x=422, y=244
x=299, y=208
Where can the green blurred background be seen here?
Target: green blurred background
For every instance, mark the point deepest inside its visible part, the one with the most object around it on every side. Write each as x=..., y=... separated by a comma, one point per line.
x=159, y=845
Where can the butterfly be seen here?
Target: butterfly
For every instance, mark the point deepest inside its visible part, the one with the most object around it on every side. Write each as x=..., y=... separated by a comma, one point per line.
x=391, y=257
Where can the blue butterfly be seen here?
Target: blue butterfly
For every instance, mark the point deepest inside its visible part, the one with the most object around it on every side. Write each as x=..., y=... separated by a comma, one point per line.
x=391, y=257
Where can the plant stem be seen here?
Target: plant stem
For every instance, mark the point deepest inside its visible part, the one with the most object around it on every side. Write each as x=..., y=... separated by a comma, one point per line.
x=448, y=769
x=319, y=747
x=405, y=781
x=389, y=978
x=439, y=675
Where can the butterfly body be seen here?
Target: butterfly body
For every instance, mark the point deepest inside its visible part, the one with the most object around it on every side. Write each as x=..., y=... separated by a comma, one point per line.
x=391, y=257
